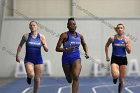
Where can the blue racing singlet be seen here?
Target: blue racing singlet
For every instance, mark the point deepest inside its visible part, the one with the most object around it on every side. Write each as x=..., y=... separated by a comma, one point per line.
x=33, y=50
x=70, y=57
x=119, y=47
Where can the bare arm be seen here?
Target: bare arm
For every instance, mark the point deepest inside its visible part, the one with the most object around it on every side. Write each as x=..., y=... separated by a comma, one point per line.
x=23, y=40
x=110, y=40
x=84, y=45
x=128, y=45
x=44, y=44
x=60, y=42
x=62, y=39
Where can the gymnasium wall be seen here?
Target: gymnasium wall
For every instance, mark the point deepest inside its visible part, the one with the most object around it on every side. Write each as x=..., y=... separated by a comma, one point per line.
x=95, y=32
x=1, y=16
x=63, y=8
x=110, y=8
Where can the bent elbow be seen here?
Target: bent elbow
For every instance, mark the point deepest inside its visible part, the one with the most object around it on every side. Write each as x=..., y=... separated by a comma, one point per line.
x=46, y=50
x=56, y=49
x=129, y=51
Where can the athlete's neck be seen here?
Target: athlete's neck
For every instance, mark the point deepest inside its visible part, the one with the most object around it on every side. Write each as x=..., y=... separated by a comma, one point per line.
x=72, y=32
x=34, y=34
x=120, y=36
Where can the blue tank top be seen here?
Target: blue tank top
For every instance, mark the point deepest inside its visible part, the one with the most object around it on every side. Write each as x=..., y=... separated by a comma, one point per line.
x=119, y=47
x=33, y=45
x=72, y=42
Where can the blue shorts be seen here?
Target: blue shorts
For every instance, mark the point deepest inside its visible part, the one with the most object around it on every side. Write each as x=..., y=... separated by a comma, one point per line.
x=69, y=60
x=34, y=60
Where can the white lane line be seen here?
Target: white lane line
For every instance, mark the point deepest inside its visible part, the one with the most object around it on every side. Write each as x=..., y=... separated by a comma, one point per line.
x=129, y=90
x=94, y=88
x=61, y=88
x=30, y=88
x=27, y=89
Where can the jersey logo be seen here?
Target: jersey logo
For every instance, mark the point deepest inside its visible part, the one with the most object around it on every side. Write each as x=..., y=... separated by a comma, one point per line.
x=119, y=44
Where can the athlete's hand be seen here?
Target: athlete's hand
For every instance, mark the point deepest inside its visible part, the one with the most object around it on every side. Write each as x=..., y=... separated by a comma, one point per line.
x=107, y=59
x=86, y=56
x=126, y=42
x=18, y=59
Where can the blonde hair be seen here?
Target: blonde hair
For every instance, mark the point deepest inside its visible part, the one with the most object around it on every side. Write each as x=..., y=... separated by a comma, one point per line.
x=34, y=22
